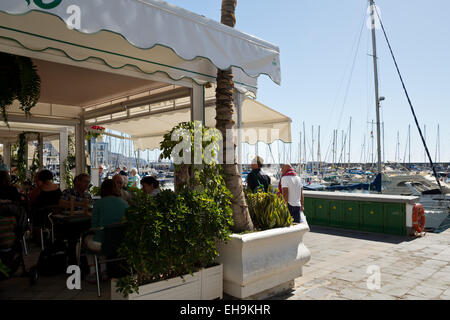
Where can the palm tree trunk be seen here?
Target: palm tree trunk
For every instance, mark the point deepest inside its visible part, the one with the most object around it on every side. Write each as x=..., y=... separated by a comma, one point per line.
x=224, y=121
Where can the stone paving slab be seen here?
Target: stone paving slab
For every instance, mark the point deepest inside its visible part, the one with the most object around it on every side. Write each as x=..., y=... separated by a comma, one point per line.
x=411, y=268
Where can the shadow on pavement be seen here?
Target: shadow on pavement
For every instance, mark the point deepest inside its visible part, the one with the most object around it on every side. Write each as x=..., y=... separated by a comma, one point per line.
x=362, y=235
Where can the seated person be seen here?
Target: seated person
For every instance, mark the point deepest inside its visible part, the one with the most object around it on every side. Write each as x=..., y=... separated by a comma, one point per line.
x=7, y=191
x=134, y=179
x=3, y=166
x=80, y=192
x=49, y=192
x=46, y=201
x=150, y=186
x=119, y=183
x=124, y=176
x=110, y=209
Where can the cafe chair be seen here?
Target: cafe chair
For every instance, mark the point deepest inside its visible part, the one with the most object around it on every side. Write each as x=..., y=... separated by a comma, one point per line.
x=42, y=220
x=13, y=225
x=113, y=236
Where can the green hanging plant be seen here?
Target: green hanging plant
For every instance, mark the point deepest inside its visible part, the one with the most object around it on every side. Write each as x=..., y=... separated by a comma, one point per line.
x=22, y=158
x=69, y=163
x=35, y=163
x=20, y=81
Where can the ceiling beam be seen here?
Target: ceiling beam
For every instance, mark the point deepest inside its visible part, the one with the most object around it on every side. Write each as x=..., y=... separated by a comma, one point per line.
x=139, y=102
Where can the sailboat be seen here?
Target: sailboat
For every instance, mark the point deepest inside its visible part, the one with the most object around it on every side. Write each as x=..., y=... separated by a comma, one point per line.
x=435, y=202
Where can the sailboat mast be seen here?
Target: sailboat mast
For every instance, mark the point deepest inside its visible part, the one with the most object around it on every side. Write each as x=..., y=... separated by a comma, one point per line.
x=409, y=145
x=304, y=144
x=382, y=131
x=300, y=167
x=377, y=98
x=349, y=141
x=312, y=149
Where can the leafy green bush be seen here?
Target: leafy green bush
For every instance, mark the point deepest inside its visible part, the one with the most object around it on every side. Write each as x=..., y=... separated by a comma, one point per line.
x=268, y=210
x=171, y=235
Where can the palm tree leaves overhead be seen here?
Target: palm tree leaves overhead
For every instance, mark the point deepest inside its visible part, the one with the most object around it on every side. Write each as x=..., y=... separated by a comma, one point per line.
x=20, y=81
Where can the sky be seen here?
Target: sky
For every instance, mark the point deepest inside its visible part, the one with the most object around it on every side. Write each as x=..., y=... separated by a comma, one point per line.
x=327, y=72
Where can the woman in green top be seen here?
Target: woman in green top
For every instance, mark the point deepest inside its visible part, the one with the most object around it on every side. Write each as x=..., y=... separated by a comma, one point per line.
x=110, y=209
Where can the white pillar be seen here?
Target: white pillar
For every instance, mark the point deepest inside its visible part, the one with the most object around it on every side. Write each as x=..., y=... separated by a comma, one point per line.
x=63, y=152
x=7, y=154
x=80, y=160
x=238, y=99
x=198, y=103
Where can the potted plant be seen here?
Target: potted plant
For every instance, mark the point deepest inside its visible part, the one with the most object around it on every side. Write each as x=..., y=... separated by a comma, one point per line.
x=265, y=262
x=170, y=240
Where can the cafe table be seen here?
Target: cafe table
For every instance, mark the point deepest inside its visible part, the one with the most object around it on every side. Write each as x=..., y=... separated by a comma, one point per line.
x=70, y=227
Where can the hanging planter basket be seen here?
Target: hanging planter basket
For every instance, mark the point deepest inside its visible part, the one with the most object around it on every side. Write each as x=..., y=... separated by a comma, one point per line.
x=94, y=132
x=20, y=81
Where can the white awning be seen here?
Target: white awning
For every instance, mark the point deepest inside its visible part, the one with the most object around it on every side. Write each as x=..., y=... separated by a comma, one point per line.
x=150, y=36
x=259, y=123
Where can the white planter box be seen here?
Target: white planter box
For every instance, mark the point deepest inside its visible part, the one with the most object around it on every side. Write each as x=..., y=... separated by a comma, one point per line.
x=260, y=261
x=206, y=284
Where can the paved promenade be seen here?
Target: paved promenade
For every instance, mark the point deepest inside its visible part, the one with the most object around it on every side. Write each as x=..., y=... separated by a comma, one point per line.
x=410, y=268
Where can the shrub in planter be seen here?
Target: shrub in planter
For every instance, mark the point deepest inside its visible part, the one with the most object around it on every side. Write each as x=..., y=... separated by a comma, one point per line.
x=268, y=210
x=171, y=235
x=175, y=233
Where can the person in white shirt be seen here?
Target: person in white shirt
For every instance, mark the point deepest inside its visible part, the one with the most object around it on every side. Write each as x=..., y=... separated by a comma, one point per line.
x=291, y=189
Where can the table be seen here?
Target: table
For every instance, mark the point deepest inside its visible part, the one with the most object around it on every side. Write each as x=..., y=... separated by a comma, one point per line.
x=71, y=228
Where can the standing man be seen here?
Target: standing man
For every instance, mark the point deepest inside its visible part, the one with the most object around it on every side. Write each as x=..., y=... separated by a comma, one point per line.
x=256, y=179
x=290, y=187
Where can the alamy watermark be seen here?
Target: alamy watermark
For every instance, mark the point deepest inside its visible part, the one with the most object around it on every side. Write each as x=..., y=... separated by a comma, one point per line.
x=73, y=19
x=74, y=280
x=373, y=21
x=374, y=280
x=206, y=146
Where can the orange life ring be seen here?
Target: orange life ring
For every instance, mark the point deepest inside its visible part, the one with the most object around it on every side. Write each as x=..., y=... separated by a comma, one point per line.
x=418, y=217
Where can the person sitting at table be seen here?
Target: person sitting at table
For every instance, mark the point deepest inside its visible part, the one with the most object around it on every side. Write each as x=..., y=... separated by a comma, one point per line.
x=47, y=200
x=49, y=192
x=110, y=209
x=82, y=199
x=134, y=179
x=150, y=186
x=119, y=184
x=124, y=176
x=7, y=191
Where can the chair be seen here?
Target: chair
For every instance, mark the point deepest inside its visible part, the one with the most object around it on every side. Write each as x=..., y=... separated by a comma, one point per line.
x=10, y=208
x=42, y=219
x=13, y=224
x=113, y=236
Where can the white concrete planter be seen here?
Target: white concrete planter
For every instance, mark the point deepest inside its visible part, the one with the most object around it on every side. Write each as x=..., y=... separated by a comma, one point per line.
x=256, y=262
x=206, y=284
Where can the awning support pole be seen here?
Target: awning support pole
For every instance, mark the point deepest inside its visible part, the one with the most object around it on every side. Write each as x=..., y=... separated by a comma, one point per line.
x=80, y=161
x=238, y=98
x=63, y=152
x=7, y=154
x=198, y=103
